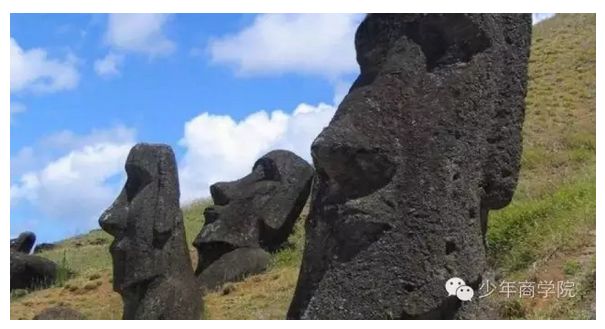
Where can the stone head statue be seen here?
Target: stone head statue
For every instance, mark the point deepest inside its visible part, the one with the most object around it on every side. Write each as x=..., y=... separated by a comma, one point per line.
x=427, y=140
x=24, y=242
x=149, y=245
x=256, y=211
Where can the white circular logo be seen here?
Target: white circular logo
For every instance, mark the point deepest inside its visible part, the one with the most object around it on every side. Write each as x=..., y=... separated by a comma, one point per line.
x=453, y=284
x=465, y=293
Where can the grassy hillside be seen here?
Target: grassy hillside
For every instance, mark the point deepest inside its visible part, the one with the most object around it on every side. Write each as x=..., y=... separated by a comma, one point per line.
x=546, y=233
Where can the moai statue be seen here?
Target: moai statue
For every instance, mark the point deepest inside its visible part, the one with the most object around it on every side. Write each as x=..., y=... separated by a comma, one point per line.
x=251, y=217
x=24, y=242
x=151, y=264
x=427, y=140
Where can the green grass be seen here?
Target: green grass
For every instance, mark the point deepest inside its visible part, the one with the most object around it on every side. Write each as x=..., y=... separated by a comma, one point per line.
x=531, y=228
x=64, y=272
x=551, y=222
x=193, y=217
x=547, y=231
x=572, y=267
x=84, y=255
x=291, y=254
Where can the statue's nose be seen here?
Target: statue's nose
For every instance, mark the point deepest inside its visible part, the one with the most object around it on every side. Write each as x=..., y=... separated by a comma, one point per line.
x=221, y=193
x=112, y=222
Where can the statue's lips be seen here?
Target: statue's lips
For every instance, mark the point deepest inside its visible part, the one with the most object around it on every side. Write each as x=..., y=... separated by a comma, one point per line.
x=355, y=224
x=347, y=211
x=123, y=280
x=115, y=248
x=119, y=272
x=228, y=225
x=211, y=214
x=356, y=208
x=207, y=243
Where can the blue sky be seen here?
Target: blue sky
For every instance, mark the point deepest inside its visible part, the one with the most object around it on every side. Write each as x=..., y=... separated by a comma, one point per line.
x=222, y=90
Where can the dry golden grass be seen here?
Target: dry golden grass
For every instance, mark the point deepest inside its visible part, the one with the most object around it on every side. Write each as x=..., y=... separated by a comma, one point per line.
x=94, y=298
x=263, y=297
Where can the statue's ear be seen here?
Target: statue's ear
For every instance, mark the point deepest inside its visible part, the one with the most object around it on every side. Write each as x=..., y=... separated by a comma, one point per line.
x=505, y=139
x=163, y=226
x=503, y=164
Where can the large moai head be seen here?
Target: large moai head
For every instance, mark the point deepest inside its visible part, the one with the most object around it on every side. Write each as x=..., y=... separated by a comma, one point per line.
x=24, y=242
x=255, y=212
x=427, y=140
x=149, y=250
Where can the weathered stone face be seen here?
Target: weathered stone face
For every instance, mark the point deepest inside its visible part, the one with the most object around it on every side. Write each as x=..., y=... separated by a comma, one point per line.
x=425, y=143
x=151, y=265
x=24, y=242
x=255, y=212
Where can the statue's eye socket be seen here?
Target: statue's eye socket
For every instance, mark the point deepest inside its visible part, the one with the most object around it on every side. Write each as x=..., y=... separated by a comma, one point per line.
x=352, y=172
x=138, y=178
x=266, y=169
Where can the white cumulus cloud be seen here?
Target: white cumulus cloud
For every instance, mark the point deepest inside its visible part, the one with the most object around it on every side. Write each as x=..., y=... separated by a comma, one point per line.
x=33, y=70
x=76, y=187
x=318, y=44
x=218, y=148
x=139, y=33
x=108, y=66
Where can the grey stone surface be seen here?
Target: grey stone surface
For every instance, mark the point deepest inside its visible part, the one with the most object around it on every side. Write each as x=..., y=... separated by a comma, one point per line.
x=427, y=140
x=31, y=272
x=234, y=266
x=24, y=242
x=256, y=211
x=151, y=264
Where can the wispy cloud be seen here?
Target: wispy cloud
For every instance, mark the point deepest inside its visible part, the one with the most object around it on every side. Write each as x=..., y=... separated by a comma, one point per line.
x=17, y=107
x=33, y=70
x=108, y=66
x=139, y=33
x=316, y=44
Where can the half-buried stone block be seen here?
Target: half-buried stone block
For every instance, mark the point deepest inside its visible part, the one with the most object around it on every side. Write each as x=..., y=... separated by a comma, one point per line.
x=30, y=271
